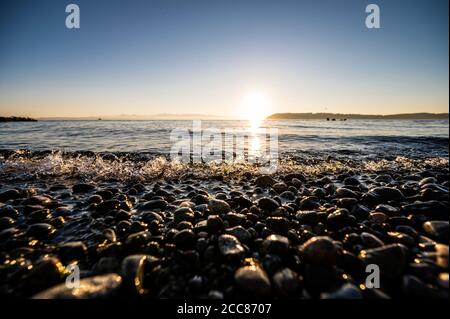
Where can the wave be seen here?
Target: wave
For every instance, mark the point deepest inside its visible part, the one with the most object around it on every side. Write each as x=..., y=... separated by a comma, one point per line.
x=140, y=167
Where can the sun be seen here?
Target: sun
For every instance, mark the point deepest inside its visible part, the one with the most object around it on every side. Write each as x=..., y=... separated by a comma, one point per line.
x=254, y=108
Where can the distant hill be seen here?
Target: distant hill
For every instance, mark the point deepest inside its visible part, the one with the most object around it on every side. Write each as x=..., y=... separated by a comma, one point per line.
x=337, y=116
x=16, y=119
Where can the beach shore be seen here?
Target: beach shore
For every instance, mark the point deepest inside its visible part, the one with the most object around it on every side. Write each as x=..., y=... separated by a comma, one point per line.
x=157, y=230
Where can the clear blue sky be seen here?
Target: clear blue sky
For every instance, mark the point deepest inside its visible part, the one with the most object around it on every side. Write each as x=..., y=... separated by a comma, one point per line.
x=203, y=56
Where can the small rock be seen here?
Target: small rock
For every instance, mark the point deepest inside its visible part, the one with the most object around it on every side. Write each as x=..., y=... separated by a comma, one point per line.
x=253, y=279
x=75, y=250
x=264, y=181
x=185, y=239
x=443, y=280
x=387, y=193
x=280, y=187
x=370, y=241
x=218, y=206
x=343, y=192
x=286, y=282
x=9, y=194
x=160, y=204
x=276, y=244
x=230, y=247
x=267, y=204
x=392, y=259
x=82, y=188
x=214, y=223
x=319, y=250
x=307, y=217
x=41, y=230
x=183, y=214
x=377, y=218
x=279, y=225
x=137, y=240
x=8, y=211
x=308, y=203
x=340, y=218
x=433, y=209
x=240, y=233
x=132, y=271
x=438, y=230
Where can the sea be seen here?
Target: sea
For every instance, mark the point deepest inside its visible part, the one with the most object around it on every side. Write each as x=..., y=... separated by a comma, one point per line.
x=58, y=147
x=357, y=137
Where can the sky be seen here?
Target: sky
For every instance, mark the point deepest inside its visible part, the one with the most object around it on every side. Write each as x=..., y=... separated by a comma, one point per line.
x=207, y=56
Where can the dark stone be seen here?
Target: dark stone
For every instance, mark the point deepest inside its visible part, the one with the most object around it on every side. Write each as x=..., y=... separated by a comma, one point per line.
x=253, y=279
x=319, y=250
x=185, y=239
x=183, y=214
x=307, y=217
x=218, y=206
x=83, y=188
x=9, y=194
x=133, y=271
x=41, y=230
x=160, y=204
x=148, y=217
x=214, y=223
x=392, y=259
x=384, y=194
x=267, y=204
x=340, y=218
x=8, y=211
x=279, y=225
x=75, y=250
x=137, y=240
x=413, y=287
x=308, y=203
x=432, y=209
x=6, y=222
x=438, y=230
x=230, y=247
x=343, y=192
x=38, y=200
x=264, y=181
x=275, y=244
x=286, y=282
x=370, y=240
x=240, y=233
x=387, y=209
x=107, y=206
x=46, y=272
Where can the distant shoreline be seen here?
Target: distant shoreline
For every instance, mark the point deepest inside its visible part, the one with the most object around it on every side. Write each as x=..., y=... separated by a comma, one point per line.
x=275, y=116
x=16, y=119
x=338, y=116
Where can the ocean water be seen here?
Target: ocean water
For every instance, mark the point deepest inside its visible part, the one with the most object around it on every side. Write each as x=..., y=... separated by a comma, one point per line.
x=138, y=150
x=418, y=138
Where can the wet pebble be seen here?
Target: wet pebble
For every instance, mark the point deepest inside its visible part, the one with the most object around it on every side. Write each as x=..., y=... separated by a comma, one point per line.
x=319, y=250
x=253, y=279
x=230, y=247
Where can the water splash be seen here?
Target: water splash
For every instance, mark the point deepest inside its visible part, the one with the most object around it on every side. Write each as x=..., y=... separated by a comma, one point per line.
x=56, y=165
